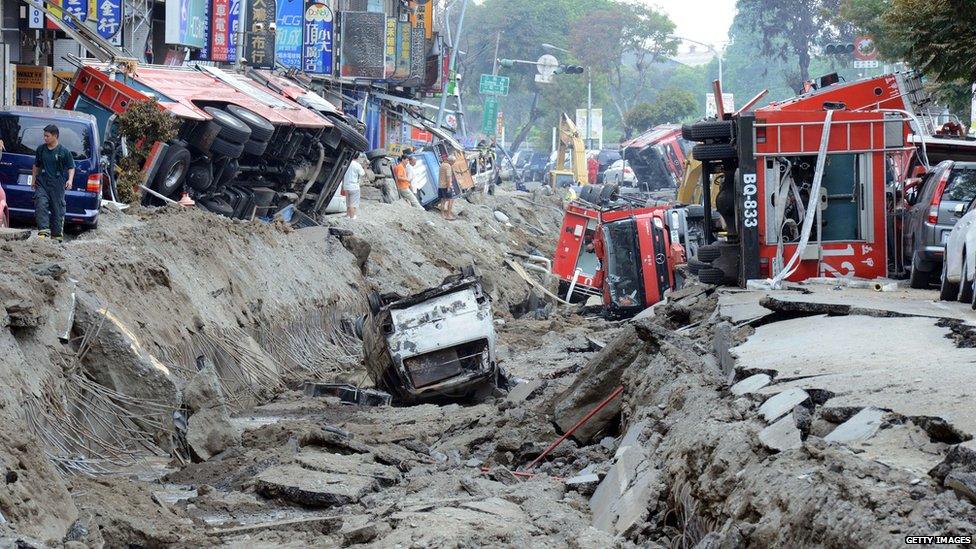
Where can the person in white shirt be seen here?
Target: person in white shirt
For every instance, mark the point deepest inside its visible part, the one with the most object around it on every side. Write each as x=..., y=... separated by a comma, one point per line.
x=350, y=184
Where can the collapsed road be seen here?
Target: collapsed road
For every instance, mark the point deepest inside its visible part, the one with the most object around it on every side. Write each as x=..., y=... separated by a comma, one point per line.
x=172, y=391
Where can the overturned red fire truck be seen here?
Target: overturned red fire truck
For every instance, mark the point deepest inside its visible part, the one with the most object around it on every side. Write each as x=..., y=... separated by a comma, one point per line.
x=808, y=189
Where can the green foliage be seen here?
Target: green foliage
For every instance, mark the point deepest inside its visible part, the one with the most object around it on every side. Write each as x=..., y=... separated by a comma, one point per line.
x=671, y=106
x=142, y=124
x=937, y=37
x=789, y=30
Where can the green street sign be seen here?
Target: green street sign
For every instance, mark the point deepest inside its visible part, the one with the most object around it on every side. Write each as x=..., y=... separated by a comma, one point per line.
x=493, y=85
x=489, y=116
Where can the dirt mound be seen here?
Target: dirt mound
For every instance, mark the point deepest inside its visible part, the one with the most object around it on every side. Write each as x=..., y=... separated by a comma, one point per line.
x=412, y=249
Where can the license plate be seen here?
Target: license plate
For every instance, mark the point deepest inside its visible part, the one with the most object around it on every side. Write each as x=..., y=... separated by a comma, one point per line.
x=25, y=179
x=945, y=236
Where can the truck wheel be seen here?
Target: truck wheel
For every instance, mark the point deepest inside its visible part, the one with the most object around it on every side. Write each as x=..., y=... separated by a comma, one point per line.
x=172, y=171
x=711, y=275
x=708, y=253
x=227, y=149
x=375, y=302
x=261, y=128
x=609, y=192
x=947, y=290
x=349, y=135
x=713, y=151
x=695, y=266
x=232, y=129
x=710, y=129
x=255, y=148
x=200, y=177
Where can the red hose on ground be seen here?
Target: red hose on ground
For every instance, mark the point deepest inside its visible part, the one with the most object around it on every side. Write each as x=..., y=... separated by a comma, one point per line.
x=572, y=430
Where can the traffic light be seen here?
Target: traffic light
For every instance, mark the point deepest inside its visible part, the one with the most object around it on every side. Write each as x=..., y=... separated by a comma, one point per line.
x=507, y=63
x=572, y=69
x=845, y=48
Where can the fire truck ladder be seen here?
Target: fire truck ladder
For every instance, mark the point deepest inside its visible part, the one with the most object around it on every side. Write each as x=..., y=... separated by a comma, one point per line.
x=101, y=48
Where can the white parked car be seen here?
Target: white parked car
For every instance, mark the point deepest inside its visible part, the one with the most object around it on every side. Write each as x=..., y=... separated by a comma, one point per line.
x=620, y=174
x=959, y=261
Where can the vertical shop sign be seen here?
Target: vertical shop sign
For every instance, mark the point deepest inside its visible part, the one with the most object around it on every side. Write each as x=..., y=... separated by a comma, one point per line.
x=260, y=40
x=318, y=38
x=288, y=34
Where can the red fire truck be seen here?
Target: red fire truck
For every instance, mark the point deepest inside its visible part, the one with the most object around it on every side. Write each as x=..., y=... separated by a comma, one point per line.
x=808, y=183
x=623, y=253
x=657, y=156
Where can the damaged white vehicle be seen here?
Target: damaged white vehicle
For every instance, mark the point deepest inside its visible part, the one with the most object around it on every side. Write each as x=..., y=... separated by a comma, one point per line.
x=439, y=343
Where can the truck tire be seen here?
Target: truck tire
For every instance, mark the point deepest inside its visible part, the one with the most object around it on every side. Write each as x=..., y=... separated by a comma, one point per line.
x=713, y=151
x=695, y=212
x=261, y=128
x=375, y=302
x=232, y=129
x=609, y=193
x=708, y=253
x=709, y=129
x=695, y=266
x=172, y=171
x=711, y=275
x=255, y=148
x=200, y=177
x=226, y=148
x=350, y=135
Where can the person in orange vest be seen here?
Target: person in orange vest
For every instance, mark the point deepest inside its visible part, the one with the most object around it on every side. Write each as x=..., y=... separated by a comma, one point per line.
x=403, y=173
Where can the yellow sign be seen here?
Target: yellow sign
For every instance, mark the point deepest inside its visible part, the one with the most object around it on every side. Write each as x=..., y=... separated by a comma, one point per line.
x=34, y=78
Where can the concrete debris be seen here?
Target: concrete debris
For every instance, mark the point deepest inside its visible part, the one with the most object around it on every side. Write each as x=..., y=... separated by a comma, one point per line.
x=524, y=391
x=963, y=484
x=782, y=435
x=348, y=464
x=627, y=493
x=781, y=403
x=862, y=426
x=211, y=431
x=349, y=393
x=750, y=384
x=319, y=525
x=302, y=486
x=203, y=389
x=632, y=437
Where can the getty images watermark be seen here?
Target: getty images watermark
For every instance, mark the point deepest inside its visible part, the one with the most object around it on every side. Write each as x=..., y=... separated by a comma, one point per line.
x=938, y=540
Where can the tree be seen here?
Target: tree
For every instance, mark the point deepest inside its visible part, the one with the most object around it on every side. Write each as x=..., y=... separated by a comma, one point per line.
x=789, y=30
x=624, y=42
x=937, y=37
x=671, y=106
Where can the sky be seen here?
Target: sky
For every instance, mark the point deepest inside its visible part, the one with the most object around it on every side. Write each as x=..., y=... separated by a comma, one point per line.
x=703, y=20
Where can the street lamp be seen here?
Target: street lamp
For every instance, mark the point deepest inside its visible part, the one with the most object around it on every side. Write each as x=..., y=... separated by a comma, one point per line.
x=589, y=94
x=710, y=48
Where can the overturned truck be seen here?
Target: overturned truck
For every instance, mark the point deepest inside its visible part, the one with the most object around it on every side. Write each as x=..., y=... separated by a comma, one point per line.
x=437, y=344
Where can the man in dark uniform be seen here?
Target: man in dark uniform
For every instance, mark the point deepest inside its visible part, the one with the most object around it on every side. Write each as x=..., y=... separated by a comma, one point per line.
x=53, y=172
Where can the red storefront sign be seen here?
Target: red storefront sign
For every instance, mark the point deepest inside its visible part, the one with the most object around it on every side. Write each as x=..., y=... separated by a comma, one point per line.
x=219, y=29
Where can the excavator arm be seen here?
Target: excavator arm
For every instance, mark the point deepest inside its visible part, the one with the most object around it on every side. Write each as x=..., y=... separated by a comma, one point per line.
x=570, y=142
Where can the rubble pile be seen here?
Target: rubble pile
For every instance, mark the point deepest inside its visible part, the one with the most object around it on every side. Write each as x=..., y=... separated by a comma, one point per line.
x=176, y=378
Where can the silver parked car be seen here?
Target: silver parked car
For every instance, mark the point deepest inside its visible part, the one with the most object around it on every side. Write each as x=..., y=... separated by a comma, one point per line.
x=959, y=263
x=935, y=207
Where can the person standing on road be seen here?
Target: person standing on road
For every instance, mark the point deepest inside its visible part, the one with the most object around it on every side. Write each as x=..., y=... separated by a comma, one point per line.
x=447, y=186
x=403, y=173
x=351, y=184
x=51, y=176
x=592, y=169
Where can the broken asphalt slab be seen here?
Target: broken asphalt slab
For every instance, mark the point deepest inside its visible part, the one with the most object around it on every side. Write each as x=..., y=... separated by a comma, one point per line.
x=776, y=406
x=301, y=486
x=782, y=435
x=862, y=426
x=907, y=365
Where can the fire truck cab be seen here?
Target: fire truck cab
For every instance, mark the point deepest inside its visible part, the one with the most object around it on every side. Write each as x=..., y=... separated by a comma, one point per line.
x=638, y=259
x=807, y=183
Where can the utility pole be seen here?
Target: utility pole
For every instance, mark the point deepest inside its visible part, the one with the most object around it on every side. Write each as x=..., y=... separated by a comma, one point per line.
x=589, y=107
x=494, y=64
x=241, y=25
x=453, y=62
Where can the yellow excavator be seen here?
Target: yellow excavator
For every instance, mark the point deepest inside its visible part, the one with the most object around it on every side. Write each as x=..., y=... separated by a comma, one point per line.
x=562, y=175
x=690, y=190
